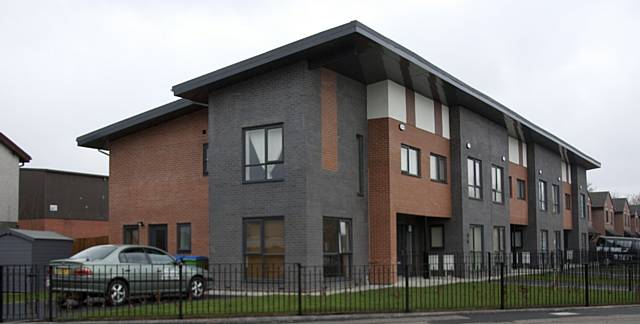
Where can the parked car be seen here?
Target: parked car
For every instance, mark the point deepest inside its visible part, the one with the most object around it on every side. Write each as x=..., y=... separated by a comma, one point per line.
x=613, y=249
x=121, y=272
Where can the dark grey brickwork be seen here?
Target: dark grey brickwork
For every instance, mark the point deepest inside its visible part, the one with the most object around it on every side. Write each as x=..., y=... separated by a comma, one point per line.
x=580, y=225
x=291, y=96
x=489, y=143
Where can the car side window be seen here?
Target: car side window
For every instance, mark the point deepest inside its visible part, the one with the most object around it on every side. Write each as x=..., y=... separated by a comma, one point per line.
x=159, y=257
x=133, y=255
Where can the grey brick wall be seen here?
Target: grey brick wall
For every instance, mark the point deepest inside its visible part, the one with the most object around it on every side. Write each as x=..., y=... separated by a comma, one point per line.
x=290, y=95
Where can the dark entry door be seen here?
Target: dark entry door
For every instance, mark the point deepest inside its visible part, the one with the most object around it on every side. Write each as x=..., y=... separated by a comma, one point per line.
x=406, y=245
x=158, y=236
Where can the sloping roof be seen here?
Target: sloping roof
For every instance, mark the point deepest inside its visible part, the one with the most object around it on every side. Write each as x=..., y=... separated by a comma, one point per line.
x=81, y=174
x=598, y=198
x=618, y=204
x=36, y=235
x=634, y=209
x=13, y=147
x=100, y=138
x=363, y=54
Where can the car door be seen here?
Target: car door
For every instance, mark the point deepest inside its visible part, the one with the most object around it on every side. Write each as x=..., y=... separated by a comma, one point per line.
x=135, y=267
x=165, y=271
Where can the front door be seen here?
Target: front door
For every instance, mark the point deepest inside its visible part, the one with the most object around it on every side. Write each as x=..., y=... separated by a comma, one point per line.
x=158, y=236
x=476, y=246
x=406, y=246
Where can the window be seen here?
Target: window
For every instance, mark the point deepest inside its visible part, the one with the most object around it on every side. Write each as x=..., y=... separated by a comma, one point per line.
x=438, y=168
x=159, y=257
x=437, y=236
x=263, y=154
x=361, y=164
x=582, y=204
x=567, y=201
x=555, y=198
x=498, y=239
x=584, y=240
x=130, y=234
x=158, y=236
x=336, y=245
x=516, y=239
x=474, y=178
x=544, y=240
x=606, y=216
x=522, y=189
x=410, y=160
x=496, y=184
x=542, y=195
x=184, y=238
x=264, y=248
x=558, y=241
x=133, y=255
x=205, y=159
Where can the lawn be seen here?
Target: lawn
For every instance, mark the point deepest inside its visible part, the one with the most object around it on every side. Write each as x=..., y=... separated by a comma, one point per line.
x=476, y=295
x=19, y=297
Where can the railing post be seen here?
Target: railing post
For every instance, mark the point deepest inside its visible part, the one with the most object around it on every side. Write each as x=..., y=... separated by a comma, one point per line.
x=180, y=315
x=502, y=285
x=299, y=274
x=586, y=284
x=407, y=308
x=425, y=270
x=50, y=293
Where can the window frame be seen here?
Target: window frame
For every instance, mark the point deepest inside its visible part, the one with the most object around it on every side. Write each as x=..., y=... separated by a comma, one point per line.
x=544, y=241
x=178, y=238
x=499, y=182
x=205, y=159
x=475, y=186
x=262, y=254
x=582, y=206
x=361, y=164
x=524, y=189
x=440, y=160
x=431, y=246
x=126, y=227
x=245, y=165
x=555, y=198
x=543, y=203
x=409, y=149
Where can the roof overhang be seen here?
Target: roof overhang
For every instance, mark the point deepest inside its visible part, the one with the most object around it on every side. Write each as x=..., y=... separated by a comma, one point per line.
x=23, y=157
x=100, y=138
x=363, y=54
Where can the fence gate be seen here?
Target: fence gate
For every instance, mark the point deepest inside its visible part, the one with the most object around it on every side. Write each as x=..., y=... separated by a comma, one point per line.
x=24, y=292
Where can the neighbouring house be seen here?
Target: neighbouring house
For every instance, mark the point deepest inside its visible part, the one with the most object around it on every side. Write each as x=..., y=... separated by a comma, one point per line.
x=70, y=203
x=602, y=213
x=634, y=210
x=158, y=183
x=343, y=148
x=622, y=217
x=11, y=158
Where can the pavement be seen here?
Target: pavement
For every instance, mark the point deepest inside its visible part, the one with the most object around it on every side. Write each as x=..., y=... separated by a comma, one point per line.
x=579, y=315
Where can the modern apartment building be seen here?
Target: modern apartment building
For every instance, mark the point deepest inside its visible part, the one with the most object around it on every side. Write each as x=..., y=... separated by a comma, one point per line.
x=343, y=148
x=11, y=158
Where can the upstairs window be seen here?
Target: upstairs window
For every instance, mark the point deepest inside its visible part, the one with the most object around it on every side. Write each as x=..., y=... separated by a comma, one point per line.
x=582, y=204
x=496, y=184
x=555, y=198
x=474, y=178
x=542, y=195
x=438, y=168
x=567, y=201
x=522, y=189
x=263, y=154
x=410, y=160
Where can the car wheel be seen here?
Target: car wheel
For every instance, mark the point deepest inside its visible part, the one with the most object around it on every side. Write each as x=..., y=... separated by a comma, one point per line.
x=117, y=293
x=196, y=288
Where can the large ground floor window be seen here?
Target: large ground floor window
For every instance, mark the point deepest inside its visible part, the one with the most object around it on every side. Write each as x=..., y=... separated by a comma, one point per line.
x=264, y=248
x=336, y=245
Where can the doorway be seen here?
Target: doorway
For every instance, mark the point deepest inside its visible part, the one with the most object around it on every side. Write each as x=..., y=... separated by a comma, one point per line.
x=158, y=236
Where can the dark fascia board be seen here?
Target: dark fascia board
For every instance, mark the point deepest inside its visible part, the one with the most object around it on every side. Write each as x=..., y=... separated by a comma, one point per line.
x=23, y=157
x=100, y=138
x=82, y=174
x=355, y=27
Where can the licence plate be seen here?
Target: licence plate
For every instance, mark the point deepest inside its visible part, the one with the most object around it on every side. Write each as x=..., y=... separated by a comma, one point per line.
x=62, y=271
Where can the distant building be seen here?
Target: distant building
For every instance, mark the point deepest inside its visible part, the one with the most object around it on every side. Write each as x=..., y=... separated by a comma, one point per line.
x=72, y=204
x=11, y=157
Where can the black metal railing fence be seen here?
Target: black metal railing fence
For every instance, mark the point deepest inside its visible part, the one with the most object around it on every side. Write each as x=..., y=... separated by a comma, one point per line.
x=426, y=282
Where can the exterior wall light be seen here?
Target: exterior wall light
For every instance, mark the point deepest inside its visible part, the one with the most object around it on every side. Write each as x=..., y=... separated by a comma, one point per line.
x=540, y=171
x=468, y=145
x=402, y=127
x=504, y=158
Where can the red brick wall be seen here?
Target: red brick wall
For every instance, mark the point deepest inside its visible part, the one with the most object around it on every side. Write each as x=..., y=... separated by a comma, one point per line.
x=329, y=116
x=518, y=209
x=73, y=228
x=391, y=192
x=597, y=220
x=155, y=176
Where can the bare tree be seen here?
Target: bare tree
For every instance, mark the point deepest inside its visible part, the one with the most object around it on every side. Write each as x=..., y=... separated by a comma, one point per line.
x=634, y=199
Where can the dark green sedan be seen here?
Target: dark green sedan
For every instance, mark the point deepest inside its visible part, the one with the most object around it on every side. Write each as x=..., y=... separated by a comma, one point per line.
x=121, y=272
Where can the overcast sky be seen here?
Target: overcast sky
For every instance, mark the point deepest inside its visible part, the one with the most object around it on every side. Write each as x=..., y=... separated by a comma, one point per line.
x=70, y=67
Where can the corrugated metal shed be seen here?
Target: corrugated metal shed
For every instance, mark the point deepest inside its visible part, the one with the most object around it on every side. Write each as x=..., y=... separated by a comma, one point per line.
x=32, y=247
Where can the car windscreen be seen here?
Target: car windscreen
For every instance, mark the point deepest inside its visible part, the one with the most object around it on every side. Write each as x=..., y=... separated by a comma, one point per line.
x=94, y=253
